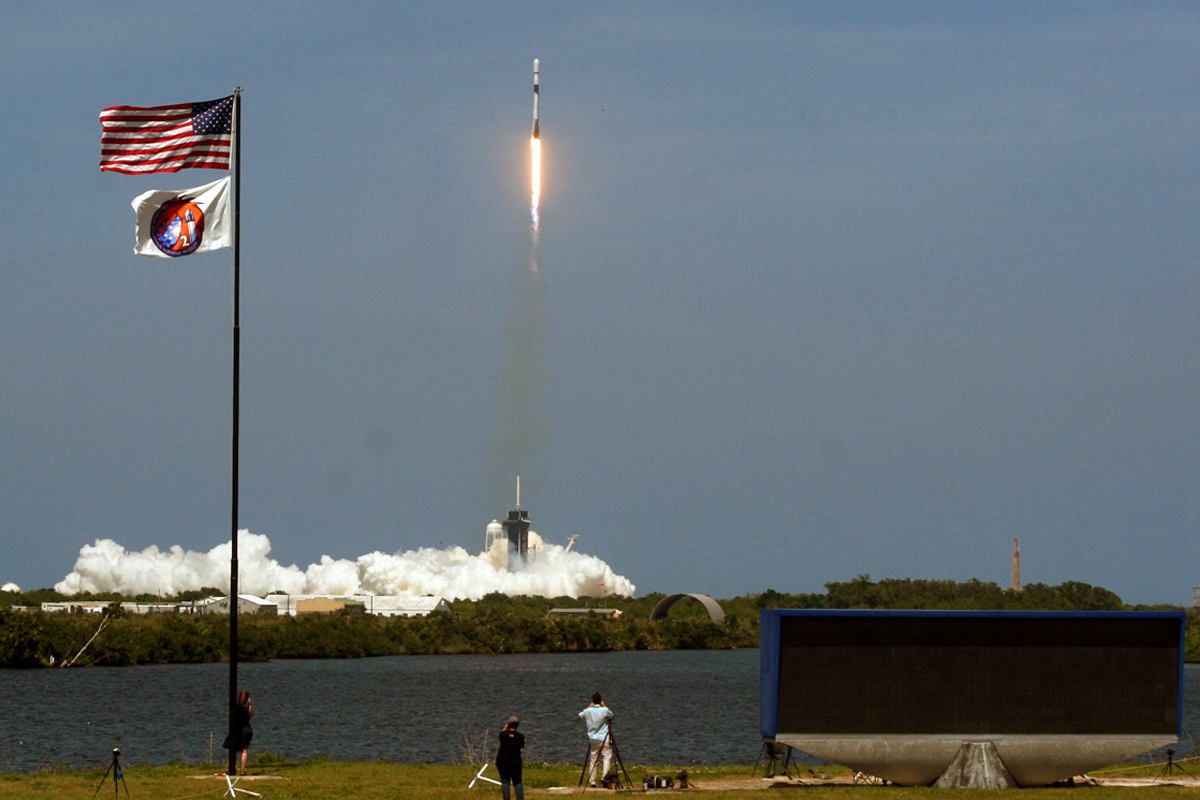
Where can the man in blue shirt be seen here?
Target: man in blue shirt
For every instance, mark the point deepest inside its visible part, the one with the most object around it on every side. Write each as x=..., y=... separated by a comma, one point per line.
x=596, y=717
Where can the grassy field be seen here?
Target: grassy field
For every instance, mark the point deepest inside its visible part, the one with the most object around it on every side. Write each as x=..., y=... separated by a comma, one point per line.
x=349, y=781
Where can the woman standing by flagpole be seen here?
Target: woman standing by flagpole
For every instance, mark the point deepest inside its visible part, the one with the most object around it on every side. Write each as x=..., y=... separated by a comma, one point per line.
x=508, y=758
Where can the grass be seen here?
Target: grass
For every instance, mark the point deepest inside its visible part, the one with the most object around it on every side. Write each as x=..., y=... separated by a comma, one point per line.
x=367, y=781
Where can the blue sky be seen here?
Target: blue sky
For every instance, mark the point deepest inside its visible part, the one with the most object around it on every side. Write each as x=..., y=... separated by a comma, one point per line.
x=827, y=288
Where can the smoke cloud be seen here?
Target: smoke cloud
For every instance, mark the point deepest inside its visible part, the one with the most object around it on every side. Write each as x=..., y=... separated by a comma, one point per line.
x=518, y=425
x=454, y=573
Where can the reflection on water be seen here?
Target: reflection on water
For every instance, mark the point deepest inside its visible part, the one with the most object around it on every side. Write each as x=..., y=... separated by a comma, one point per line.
x=672, y=708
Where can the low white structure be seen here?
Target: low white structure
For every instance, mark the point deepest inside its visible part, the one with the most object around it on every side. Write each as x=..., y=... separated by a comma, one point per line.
x=247, y=604
x=612, y=613
x=401, y=605
x=84, y=606
x=98, y=607
x=404, y=605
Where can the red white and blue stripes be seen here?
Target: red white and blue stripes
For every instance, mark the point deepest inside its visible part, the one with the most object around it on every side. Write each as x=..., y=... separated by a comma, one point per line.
x=137, y=141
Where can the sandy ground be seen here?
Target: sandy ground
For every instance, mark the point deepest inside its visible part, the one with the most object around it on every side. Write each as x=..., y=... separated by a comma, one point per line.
x=848, y=779
x=734, y=783
x=1174, y=780
x=807, y=779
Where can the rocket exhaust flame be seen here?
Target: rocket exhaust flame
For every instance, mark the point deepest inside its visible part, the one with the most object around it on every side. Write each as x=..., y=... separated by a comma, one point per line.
x=535, y=198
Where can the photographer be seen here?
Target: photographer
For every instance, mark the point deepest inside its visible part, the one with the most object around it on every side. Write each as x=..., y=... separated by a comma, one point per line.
x=244, y=733
x=596, y=716
x=508, y=758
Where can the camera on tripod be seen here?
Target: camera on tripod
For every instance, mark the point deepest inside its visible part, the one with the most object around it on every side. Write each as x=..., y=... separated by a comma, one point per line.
x=118, y=774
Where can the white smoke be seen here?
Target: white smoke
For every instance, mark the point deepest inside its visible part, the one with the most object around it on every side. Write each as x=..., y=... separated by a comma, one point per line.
x=453, y=573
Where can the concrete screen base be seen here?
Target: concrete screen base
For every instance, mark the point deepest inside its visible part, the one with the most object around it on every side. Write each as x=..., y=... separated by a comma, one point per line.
x=915, y=760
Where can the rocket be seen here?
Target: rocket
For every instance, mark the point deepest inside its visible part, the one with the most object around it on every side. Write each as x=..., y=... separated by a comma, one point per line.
x=536, y=76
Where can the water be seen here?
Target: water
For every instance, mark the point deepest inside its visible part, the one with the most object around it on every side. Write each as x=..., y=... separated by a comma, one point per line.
x=672, y=708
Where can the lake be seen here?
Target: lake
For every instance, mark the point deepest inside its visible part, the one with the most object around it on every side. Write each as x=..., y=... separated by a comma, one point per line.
x=671, y=707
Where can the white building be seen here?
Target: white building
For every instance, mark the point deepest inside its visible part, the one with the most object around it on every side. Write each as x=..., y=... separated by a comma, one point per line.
x=247, y=604
x=402, y=605
x=84, y=606
x=405, y=605
x=98, y=607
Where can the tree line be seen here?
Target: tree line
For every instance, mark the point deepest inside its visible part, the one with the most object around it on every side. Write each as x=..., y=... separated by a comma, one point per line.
x=495, y=624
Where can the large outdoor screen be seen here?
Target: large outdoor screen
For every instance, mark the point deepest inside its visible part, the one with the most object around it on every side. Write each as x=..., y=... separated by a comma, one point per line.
x=971, y=673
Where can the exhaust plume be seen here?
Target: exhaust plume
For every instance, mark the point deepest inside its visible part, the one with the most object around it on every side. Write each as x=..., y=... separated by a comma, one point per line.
x=453, y=573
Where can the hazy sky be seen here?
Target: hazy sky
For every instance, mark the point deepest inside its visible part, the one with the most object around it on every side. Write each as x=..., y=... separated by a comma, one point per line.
x=829, y=288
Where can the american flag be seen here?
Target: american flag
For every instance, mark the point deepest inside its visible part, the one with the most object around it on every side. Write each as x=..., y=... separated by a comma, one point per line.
x=166, y=138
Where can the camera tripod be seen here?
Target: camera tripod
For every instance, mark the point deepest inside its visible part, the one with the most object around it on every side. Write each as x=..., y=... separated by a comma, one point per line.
x=587, y=762
x=1170, y=767
x=114, y=767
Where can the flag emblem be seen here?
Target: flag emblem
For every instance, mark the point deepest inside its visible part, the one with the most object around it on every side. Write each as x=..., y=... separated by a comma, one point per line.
x=136, y=140
x=173, y=224
x=177, y=228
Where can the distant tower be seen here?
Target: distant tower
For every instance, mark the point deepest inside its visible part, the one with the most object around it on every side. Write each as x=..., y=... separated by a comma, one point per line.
x=516, y=528
x=1016, y=564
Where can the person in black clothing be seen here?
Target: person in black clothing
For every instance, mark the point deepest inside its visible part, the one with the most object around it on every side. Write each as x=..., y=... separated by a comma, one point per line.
x=508, y=758
x=245, y=733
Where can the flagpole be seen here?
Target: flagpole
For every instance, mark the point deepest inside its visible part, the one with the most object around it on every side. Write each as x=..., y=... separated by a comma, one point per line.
x=236, y=168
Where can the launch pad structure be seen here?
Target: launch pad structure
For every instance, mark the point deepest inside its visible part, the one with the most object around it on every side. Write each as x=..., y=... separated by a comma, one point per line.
x=514, y=529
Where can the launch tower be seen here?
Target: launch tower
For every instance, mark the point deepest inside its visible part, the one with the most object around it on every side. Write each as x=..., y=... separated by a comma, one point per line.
x=516, y=528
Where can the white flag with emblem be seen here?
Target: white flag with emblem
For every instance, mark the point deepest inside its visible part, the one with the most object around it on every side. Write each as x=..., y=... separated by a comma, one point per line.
x=172, y=224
